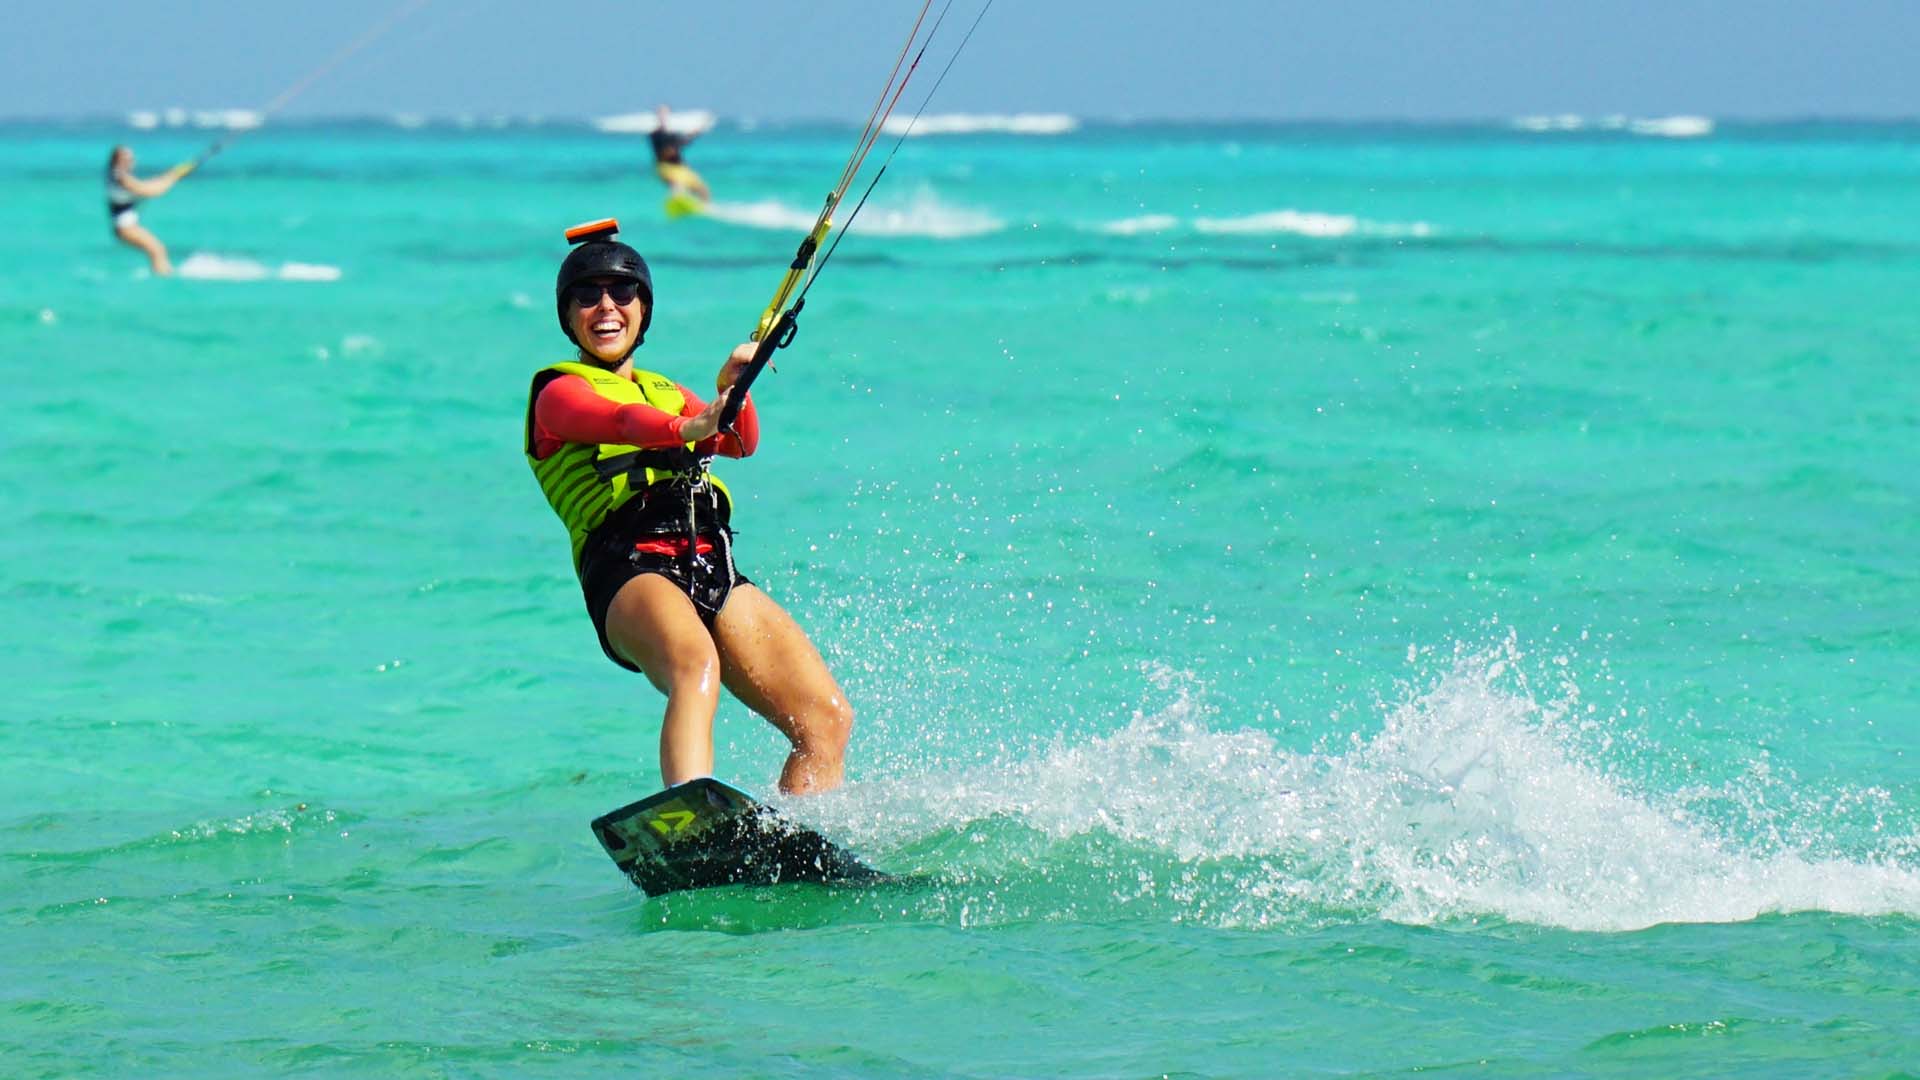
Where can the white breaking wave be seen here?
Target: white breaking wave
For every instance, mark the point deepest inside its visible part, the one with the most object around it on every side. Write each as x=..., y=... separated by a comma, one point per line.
x=1295, y=222
x=1670, y=127
x=1145, y=223
x=923, y=215
x=228, y=119
x=223, y=119
x=1302, y=223
x=204, y=266
x=1673, y=127
x=495, y=121
x=644, y=123
x=1560, y=122
x=977, y=123
x=1308, y=223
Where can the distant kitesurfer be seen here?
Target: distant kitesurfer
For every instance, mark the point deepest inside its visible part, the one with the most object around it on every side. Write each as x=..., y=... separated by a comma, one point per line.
x=670, y=164
x=621, y=455
x=124, y=193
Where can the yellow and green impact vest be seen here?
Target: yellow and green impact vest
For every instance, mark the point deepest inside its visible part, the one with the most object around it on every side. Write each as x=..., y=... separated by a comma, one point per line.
x=582, y=481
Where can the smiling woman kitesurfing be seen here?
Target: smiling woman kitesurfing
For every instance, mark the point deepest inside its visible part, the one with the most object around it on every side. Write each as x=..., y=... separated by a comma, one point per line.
x=622, y=455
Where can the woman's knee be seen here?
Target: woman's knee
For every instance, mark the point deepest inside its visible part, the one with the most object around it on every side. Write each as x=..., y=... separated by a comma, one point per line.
x=826, y=729
x=685, y=670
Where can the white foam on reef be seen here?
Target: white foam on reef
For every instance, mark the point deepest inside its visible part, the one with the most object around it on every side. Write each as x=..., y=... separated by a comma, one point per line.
x=1559, y=122
x=981, y=123
x=174, y=117
x=228, y=119
x=1309, y=223
x=1673, y=127
x=1670, y=127
x=1479, y=795
x=1134, y=226
x=295, y=271
x=205, y=266
x=1301, y=223
x=922, y=215
x=644, y=123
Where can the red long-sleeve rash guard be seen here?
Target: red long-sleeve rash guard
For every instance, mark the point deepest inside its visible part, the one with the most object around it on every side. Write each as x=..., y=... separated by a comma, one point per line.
x=568, y=411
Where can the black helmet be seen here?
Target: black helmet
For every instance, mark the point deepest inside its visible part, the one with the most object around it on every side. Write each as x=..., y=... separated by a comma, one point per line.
x=597, y=254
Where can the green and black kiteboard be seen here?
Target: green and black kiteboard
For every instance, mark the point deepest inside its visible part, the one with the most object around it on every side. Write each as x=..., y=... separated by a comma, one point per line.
x=704, y=833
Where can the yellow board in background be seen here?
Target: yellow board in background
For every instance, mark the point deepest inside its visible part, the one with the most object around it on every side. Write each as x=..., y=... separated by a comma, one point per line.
x=682, y=203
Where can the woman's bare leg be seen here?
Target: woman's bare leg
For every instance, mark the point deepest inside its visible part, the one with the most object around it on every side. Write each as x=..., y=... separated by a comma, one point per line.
x=138, y=236
x=768, y=663
x=680, y=177
x=652, y=624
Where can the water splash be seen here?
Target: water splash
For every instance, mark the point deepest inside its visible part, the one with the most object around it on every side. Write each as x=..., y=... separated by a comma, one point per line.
x=1478, y=796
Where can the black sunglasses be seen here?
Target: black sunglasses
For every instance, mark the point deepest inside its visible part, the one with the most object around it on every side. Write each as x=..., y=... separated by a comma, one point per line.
x=587, y=294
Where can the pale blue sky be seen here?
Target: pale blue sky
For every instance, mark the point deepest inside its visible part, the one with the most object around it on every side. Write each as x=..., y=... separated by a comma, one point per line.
x=1351, y=59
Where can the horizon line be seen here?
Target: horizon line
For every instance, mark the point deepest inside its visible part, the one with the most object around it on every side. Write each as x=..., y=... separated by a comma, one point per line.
x=184, y=118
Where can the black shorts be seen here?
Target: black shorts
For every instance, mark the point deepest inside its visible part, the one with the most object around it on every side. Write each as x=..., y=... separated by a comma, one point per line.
x=606, y=565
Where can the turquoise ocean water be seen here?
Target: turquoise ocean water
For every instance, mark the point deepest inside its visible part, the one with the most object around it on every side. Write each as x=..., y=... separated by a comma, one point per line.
x=1318, y=601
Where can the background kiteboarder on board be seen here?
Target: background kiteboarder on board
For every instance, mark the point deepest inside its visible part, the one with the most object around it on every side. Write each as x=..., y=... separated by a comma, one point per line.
x=686, y=191
x=125, y=192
